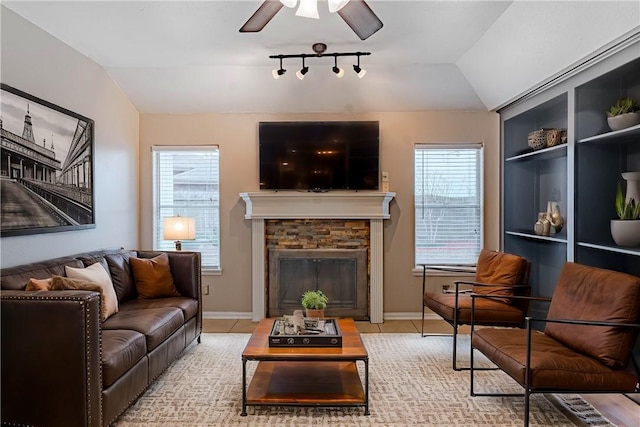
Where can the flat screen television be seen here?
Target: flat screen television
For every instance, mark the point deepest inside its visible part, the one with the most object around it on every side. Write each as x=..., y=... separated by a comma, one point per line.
x=319, y=156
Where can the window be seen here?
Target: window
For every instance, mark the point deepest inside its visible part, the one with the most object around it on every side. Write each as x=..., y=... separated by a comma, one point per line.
x=448, y=204
x=186, y=183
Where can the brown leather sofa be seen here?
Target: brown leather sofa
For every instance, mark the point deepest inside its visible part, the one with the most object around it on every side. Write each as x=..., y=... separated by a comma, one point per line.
x=63, y=366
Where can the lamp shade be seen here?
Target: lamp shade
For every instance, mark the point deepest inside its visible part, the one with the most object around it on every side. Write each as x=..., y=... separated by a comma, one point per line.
x=179, y=228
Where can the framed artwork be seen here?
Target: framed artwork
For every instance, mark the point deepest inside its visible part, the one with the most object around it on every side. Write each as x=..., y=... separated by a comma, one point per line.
x=46, y=166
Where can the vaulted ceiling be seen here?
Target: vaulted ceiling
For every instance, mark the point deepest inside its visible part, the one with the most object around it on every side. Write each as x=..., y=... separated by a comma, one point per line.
x=183, y=57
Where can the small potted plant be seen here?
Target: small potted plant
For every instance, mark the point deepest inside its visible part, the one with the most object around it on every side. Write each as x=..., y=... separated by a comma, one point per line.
x=315, y=302
x=623, y=114
x=626, y=230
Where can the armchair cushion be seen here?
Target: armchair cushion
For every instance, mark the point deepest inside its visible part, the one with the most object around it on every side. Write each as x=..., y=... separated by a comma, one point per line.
x=502, y=269
x=588, y=293
x=488, y=312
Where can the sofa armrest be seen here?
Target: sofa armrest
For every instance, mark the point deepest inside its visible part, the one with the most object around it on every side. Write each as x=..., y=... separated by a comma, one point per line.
x=51, y=367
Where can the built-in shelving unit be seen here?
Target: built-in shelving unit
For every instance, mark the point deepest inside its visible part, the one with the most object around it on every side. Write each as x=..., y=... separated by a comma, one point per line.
x=581, y=175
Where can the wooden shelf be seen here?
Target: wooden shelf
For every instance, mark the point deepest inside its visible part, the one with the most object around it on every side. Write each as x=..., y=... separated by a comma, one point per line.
x=306, y=383
x=554, y=152
x=618, y=135
x=536, y=237
x=611, y=248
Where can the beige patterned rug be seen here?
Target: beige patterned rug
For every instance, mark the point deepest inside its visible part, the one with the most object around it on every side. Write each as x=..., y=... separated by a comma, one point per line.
x=411, y=384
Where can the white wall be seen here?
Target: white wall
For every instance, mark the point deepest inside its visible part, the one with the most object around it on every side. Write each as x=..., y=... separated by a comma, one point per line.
x=41, y=65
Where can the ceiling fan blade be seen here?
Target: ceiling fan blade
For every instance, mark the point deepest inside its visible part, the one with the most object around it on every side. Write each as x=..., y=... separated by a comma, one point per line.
x=262, y=16
x=359, y=16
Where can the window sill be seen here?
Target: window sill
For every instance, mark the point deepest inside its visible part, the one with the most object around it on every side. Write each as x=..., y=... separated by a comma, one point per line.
x=210, y=271
x=445, y=271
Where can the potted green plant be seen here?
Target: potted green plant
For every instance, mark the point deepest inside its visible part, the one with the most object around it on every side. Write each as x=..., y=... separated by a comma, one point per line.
x=623, y=114
x=626, y=229
x=314, y=302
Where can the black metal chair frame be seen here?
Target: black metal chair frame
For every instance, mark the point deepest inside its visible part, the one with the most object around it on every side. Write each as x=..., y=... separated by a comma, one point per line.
x=528, y=389
x=454, y=324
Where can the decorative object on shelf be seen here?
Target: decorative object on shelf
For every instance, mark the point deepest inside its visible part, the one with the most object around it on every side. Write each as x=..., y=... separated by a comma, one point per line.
x=555, y=217
x=625, y=231
x=546, y=137
x=623, y=114
x=538, y=227
x=315, y=302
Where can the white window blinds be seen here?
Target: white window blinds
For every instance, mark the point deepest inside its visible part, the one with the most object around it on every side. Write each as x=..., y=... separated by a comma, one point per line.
x=448, y=204
x=186, y=183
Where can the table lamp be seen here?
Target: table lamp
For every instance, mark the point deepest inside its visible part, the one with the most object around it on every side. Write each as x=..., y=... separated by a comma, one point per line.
x=179, y=228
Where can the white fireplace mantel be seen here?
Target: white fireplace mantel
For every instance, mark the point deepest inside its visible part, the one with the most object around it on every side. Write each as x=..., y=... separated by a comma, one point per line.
x=371, y=205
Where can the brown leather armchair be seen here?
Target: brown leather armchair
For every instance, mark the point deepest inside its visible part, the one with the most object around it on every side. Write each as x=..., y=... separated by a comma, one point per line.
x=497, y=273
x=587, y=342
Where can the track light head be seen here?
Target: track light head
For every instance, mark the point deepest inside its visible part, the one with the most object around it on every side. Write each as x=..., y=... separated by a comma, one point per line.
x=359, y=71
x=339, y=71
x=276, y=73
x=304, y=70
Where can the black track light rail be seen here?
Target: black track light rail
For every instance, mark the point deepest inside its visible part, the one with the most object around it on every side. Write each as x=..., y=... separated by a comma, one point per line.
x=319, y=55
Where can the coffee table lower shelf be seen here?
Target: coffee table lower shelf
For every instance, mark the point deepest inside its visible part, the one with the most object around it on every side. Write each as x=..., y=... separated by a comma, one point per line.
x=306, y=383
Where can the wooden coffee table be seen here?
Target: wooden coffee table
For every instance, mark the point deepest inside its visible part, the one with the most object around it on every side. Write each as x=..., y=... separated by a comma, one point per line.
x=306, y=376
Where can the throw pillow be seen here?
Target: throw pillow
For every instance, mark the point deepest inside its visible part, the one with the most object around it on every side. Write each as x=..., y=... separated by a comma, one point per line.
x=97, y=274
x=60, y=283
x=153, y=277
x=38, y=284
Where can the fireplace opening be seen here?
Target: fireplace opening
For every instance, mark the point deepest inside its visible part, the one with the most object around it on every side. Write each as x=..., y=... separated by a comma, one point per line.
x=342, y=274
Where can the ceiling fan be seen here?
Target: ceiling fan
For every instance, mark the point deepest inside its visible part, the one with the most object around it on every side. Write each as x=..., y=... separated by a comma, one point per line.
x=356, y=13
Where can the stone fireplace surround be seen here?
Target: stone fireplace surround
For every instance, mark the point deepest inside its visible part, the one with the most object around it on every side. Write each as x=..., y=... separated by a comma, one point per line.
x=370, y=205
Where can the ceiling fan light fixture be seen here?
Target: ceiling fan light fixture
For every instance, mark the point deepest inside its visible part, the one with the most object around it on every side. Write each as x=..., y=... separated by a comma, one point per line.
x=308, y=9
x=336, y=5
x=289, y=3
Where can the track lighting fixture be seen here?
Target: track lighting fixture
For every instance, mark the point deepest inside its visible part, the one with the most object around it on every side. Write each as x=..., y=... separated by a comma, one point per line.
x=359, y=71
x=319, y=49
x=339, y=71
x=301, y=72
x=276, y=73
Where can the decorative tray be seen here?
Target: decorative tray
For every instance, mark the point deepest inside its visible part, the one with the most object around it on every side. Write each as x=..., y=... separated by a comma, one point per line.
x=325, y=334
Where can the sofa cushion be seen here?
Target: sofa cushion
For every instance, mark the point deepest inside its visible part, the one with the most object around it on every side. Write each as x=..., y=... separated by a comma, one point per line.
x=60, y=283
x=38, y=284
x=189, y=306
x=499, y=268
x=121, y=274
x=97, y=274
x=121, y=349
x=589, y=293
x=153, y=277
x=156, y=324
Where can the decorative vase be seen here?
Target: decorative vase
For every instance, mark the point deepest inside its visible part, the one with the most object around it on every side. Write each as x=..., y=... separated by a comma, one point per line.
x=626, y=232
x=557, y=221
x=623, y=121
x=633, y=186
x=538, y=227
x=313, y=312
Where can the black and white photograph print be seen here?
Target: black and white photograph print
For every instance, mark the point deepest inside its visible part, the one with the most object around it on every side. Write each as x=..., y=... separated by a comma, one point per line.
x=46, y=166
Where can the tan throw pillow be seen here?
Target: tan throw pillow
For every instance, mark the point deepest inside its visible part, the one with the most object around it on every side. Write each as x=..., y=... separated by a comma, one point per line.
x=153, y=277
x=38, y=284
x=97, y=274
x=60, y=283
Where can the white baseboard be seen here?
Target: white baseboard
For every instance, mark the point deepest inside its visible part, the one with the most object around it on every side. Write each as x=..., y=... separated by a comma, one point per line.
x=386, y=316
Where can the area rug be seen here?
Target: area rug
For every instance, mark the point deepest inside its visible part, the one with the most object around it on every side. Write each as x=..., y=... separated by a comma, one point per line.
x=411, y=384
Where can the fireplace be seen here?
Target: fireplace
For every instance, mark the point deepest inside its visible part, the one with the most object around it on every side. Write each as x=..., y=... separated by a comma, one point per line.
x=340, y=273
x=371, y=206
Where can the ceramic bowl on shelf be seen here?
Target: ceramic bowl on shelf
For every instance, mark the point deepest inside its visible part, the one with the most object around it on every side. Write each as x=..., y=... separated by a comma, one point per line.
x=626, y=232
x=624, y=121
